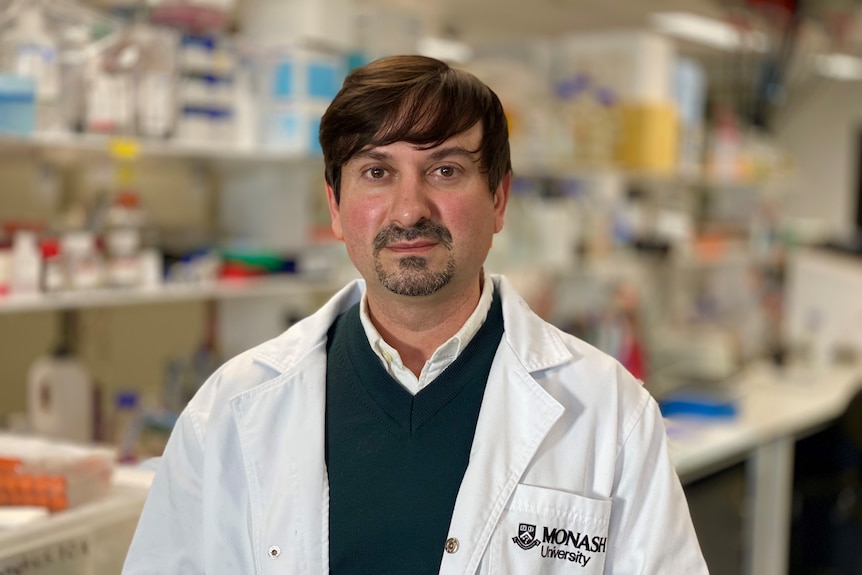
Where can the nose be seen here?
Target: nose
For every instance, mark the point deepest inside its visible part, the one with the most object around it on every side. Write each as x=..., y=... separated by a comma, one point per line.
x=410, y=201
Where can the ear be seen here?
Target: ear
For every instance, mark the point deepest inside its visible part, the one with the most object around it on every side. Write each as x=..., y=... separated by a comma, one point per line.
x=501, y=199
x=334, y=213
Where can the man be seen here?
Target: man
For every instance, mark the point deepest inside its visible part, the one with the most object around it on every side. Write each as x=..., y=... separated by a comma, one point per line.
x=424, y=420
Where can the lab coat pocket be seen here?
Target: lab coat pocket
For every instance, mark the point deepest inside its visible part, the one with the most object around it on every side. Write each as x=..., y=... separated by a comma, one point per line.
x=545, y=531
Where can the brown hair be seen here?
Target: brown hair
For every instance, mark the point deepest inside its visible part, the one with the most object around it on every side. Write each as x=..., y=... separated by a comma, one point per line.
x=412, y=99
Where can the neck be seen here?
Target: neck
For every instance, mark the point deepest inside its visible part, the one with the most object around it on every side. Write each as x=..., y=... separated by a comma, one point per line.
x=417, y=326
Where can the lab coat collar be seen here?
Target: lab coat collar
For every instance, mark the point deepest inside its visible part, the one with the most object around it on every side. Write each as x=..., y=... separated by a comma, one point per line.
x=290, y=347
x=537, y=344
x=284, y=462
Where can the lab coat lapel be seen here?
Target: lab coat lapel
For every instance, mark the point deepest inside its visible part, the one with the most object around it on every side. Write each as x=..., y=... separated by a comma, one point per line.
x=516, y=416
x=281, y=429
x=282, y=433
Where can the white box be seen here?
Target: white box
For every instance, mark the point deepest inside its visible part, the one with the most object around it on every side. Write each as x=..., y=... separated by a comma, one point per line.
x=635, y=65
x=293, y=86
x=386, y=30
x=328, y=22
x=822, y=307
x=292, y=128
x=267, y=207
x=295, y=73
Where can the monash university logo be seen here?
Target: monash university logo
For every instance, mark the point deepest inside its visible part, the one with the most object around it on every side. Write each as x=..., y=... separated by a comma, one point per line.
x=526, y=538
x=561, y=544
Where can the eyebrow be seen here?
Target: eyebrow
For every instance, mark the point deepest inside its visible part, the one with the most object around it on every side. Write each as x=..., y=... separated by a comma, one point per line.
x=436, y=155
x=371, y=154
x=441, y=153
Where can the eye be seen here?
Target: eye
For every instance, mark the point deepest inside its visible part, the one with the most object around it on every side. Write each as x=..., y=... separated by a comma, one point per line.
x=447, y=171
x=375, y=173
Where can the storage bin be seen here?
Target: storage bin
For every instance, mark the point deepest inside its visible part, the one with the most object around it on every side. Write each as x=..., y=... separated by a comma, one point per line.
x=92, y=539
x=17, y=104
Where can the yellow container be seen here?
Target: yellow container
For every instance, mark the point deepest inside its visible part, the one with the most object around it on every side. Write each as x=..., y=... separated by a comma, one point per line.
x=648, y=137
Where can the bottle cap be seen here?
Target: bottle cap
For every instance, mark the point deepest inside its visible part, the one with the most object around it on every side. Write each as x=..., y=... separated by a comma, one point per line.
x=50, y=247
x=127, y=399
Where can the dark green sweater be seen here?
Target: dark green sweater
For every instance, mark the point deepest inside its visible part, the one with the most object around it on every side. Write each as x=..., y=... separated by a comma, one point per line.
x=395, y=460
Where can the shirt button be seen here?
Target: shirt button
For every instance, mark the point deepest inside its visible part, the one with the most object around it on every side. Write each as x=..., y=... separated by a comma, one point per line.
x=274, y=551
x=452, y=545
x=387, y=356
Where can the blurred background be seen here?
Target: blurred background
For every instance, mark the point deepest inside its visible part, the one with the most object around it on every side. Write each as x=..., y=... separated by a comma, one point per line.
x=686, y=197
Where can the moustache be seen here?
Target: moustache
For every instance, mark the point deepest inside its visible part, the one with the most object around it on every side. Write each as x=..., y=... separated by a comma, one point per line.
x=424, y=229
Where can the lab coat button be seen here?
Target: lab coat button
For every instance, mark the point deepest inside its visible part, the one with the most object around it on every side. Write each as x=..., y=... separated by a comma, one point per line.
x=452, y=545
x=274, y=551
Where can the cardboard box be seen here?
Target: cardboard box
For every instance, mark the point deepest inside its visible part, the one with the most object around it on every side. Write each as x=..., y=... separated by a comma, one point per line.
x=91, y=539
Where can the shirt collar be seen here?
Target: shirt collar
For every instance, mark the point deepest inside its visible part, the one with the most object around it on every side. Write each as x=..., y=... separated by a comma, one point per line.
x=444, y=355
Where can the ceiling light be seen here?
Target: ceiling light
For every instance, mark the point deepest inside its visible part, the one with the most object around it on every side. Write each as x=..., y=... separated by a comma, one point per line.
x=445, y=49
x=707, y=31
x=839, y=66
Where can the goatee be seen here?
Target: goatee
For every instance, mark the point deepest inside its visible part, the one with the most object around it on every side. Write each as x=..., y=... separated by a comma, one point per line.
x=413, y=278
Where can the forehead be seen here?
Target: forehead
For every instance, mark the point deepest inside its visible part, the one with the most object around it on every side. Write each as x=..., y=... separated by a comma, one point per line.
x=468, y=141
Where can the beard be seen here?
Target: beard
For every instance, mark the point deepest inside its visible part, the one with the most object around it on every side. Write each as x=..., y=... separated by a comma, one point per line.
x=413, y=276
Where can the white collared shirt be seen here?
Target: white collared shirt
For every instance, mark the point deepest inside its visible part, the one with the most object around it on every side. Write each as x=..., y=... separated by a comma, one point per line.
x=442, y=357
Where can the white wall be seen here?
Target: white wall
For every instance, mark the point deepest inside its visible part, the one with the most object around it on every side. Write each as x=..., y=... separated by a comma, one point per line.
x=819, y=130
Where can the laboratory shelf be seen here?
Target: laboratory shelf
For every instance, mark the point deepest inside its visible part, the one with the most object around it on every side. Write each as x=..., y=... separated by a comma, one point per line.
x=270, y=286
x=698, y=178
x=76, y=144
x=527, y=169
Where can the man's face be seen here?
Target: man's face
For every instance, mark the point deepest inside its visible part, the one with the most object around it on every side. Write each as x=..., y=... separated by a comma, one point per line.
x=418, y=222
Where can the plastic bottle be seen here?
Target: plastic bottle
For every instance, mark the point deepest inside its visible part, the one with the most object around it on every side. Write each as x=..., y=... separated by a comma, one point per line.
x=29, y=49
x=53, y=268
x=124, y=238
x=725, y=147
x=563, y=129
x=110, y=79
x=60, y=390
x=126, y=424
x=156, y=101
x=26, y=263
x=5, y=269
x=60, y=393
x=84, y=263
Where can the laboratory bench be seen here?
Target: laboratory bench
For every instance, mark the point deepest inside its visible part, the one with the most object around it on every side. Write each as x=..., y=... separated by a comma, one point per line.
x=775, y=407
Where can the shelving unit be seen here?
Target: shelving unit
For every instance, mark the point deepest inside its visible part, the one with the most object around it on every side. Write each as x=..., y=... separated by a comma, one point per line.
x=101, y=144
x=74, y=145
x=594, y=171
x=237, y=306
x=281, y=286
x=641, y=177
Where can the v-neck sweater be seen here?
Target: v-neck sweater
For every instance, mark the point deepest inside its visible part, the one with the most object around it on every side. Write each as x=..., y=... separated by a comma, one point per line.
x=396, y=460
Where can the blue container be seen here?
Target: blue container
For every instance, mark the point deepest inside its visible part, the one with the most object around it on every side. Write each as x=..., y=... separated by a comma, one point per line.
x=17, y=104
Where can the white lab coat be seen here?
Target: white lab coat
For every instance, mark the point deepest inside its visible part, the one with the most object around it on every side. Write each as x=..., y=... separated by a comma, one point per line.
x=569, y=470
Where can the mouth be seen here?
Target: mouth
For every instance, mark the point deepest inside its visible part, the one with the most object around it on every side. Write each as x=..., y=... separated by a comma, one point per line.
x=412, y=247
x=421, y=238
